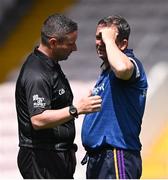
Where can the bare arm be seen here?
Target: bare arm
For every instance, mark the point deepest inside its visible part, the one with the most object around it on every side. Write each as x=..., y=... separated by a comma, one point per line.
x=119, y=62
x=52, y=118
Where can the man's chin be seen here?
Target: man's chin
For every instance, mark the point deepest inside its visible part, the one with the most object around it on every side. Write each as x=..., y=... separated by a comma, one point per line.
x=63, y=58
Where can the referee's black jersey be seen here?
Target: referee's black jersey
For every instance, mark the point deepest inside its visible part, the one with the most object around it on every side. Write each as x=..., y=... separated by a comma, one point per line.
x=42, y=85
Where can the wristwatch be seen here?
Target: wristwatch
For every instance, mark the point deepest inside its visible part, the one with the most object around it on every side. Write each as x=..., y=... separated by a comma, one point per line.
x=73, y=111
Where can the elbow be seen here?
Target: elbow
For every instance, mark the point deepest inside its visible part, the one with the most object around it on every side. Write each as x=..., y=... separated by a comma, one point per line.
x=124, y=73
x=36, y=123
x=36, y=127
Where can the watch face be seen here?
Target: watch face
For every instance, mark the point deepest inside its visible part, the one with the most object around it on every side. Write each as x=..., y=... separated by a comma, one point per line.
x=73, y=111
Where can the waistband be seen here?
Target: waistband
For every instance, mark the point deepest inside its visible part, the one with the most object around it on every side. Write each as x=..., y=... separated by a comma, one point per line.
x=56, y=147
x=99, y=149
x=91, y=151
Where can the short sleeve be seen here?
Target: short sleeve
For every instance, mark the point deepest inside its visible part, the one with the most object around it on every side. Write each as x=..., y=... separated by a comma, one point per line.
x=136, y=72
x=38, y=95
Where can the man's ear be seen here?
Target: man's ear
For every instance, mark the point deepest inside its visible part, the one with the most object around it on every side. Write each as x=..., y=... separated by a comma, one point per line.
x=53, y=42
x=123, y=44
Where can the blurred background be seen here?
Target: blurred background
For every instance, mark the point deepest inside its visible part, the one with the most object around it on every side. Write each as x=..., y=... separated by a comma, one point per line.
x=20, y=23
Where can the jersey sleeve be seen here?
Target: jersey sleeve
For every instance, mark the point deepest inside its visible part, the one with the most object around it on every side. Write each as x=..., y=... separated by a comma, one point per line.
x=136, y=72
x=38, y=95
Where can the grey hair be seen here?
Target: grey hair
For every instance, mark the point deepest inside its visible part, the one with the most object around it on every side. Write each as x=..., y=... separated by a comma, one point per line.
x=57, y=25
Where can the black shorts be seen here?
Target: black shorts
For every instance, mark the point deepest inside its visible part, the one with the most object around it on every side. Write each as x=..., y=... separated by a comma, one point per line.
x=46, y=164
x=114, y=164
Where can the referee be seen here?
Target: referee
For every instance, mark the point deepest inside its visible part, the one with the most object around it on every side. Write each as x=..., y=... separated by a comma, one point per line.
x=44, y=104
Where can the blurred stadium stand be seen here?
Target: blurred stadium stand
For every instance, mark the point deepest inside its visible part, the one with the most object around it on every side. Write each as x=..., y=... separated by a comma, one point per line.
x=26, y=34
x=11, y=13
x=5, y=5
x=148, y=19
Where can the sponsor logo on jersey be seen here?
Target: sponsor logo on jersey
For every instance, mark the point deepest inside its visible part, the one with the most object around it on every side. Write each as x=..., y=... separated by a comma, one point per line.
x=38, y=101
x=98, y=89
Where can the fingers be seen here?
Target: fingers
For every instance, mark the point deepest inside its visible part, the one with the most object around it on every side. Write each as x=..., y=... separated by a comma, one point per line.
x=95, y=103
x=96, y=107
x=96, y=98
x=89, y=104
x=109, y=33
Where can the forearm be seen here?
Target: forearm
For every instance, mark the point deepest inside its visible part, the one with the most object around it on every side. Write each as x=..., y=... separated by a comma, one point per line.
x=118, y=61
x=51, y=118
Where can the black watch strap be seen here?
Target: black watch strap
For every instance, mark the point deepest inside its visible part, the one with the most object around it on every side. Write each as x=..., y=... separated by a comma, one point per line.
x=73, y=111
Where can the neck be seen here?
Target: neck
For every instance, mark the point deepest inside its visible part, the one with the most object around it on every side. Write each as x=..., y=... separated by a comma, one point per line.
x=45, y=50
x=107, y=65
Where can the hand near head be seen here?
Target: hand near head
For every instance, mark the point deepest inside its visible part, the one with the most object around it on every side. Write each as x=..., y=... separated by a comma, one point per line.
x=89, y=104
x=109, y=33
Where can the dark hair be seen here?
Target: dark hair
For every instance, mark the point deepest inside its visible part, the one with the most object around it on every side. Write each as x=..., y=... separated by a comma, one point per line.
x=121, y=24
x=57, y=25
